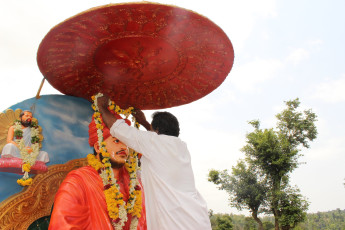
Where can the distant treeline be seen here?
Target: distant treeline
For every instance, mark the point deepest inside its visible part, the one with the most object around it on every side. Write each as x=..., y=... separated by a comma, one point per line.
x=331, y=220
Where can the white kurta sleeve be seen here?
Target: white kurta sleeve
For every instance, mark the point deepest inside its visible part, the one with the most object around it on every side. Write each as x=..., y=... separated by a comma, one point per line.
x=136, y=139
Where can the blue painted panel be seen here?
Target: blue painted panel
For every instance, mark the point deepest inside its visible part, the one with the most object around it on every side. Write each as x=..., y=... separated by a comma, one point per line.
x=64, y=121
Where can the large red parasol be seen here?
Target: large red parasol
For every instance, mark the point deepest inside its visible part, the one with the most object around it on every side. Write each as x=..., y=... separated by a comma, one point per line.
x=146, y=55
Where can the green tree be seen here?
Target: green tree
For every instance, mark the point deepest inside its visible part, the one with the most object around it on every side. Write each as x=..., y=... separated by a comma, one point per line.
x=245, y=188
x=324, y=220
x=221, y=222
x=320, y=220
x=268, y=225
x=271, y=155
x=276, y=152
x=250, y=224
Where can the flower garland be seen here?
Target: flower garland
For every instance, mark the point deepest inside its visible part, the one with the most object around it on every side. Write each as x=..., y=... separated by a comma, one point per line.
x=28, y=154
x=117, y=207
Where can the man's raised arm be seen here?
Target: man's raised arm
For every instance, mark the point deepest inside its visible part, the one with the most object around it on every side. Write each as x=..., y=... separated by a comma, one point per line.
x=108, y=118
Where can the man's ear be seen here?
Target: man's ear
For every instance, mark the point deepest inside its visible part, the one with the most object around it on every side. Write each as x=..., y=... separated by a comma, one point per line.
x=96, y=147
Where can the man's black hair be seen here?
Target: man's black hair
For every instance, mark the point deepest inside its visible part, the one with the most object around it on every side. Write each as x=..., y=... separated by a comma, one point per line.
x=165, y=123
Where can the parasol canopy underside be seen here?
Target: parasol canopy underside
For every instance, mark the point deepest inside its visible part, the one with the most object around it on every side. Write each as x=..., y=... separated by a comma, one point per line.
x=146, y=55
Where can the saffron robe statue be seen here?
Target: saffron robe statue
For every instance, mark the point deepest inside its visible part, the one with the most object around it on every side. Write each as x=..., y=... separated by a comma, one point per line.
x=80, y=202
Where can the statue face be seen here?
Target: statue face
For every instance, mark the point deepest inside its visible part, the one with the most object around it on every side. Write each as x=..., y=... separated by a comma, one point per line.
x=26, y=119
x=118, y=150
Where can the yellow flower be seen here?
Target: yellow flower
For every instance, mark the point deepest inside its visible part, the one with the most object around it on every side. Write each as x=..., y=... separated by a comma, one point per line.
x=104, y=153
x=136, y=210
x=118, y=109
x=99, y=126
x=111, y=200
x=26, y=167
x=116, y=206
x=23, y=182
x=28, y=181
x=94, y=162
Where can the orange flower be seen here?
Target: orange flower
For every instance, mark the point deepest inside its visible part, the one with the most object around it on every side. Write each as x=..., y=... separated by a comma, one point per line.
x=29, y=149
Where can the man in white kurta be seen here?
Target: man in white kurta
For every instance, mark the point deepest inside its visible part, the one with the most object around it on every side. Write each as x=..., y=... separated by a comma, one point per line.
x=172, y=201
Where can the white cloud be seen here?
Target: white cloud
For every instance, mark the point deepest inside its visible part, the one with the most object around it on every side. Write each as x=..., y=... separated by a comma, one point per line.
x=315, y=42
x=247, y=77
x=227, y=96
x=331, y=91
x=60, y=110
x=329, y=144
x=326, y=149
x=65, y=138
x=298, y=55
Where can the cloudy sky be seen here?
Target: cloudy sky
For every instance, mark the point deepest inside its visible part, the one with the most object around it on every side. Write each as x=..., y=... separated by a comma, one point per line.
x=283, y=50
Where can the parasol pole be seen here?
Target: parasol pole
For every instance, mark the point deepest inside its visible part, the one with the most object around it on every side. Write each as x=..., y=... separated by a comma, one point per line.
x=33, y=107
x=39, y=90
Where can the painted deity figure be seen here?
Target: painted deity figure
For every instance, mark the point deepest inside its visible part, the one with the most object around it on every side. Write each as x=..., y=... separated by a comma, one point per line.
x=11, y=149
x=85, y=200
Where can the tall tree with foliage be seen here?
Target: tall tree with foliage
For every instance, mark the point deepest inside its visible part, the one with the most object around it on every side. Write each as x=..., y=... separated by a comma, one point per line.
x=274, y=154
x=246, y=189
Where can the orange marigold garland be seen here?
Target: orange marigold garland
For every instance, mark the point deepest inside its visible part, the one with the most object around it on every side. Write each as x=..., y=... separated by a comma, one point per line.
x=117, y=207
